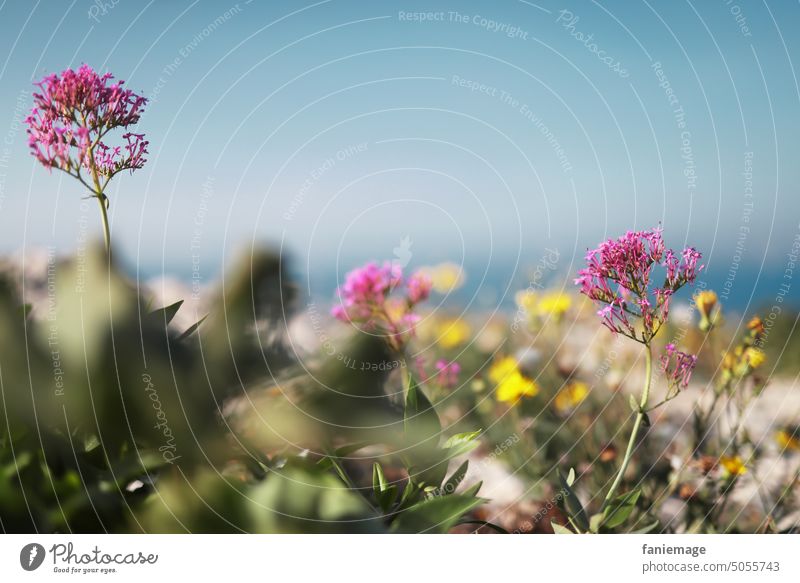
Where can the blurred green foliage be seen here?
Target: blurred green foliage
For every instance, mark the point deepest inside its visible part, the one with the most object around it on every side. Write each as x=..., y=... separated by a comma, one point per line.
x=113, y=421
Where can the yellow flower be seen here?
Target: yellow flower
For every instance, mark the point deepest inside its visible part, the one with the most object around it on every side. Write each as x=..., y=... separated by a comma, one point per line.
x=511, y=384
x=503, y=368
x=756, y=327
x=452, y=332
x=733, y=465
x=788, y=440
x=445, y=277
x=554, y=304
x=754, y=357
x=515, y=386
x=526, y=300
x=571, y=396
x=706, y=302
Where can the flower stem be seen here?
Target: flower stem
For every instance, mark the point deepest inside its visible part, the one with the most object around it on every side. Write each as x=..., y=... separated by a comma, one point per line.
x=636, y=425
x=104, y=215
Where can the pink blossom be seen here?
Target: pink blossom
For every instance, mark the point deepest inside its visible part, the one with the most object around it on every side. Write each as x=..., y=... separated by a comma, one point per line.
x=677, y=365
x=368, y=297
x=74, y=112
x=419, y=287
x=364, y=292
x=618, y=275
x=447, y=373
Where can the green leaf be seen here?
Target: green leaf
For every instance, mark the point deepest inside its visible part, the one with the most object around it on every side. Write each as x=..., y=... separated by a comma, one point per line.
x=25, y=310
x=384, y=492
x=560, y=529
x=434, y=515
x=410, y=491
x=167, y=313
x=423, y=457
x=571, y=477
x=646, y=529
x=378, y=479
x=346, y=450
x=460, y=439
x=453, y=481
x=191, y=329
x=573, y=505
x=473, y=490
x=420, y=420
x=491, y=525
x=620, y=508
x=596, y=521
x=634, y=404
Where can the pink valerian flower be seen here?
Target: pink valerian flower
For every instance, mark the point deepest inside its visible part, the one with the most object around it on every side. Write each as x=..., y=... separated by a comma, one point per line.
x=365, y=299
x=419, y=287
x=112, y=160
x=73, y=112
x=618, y=275
x=677, y=366
x=447, y=374
x=364, y=292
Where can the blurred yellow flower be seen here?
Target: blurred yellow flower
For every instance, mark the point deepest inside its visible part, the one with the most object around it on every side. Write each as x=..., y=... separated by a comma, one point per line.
x=526, y=300
x=756, y=327
x=554, y=304
x=452, y=332
x=706, y=302
x=503, y=368
x=571, y=396
x=514, y=387
x=788, y=440
x=445, y=277
x=755, y=357
x=511, y=384
x=733, y=465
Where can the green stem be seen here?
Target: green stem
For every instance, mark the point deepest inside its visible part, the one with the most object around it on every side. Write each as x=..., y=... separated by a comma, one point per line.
x=636, y=425
x=104, y=216
x=98, y=191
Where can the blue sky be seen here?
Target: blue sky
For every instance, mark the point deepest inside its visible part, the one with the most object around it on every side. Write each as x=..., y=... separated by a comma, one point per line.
x=485, y=132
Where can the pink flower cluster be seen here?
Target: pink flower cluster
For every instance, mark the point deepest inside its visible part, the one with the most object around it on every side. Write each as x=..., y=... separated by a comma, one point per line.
x=73, y=113
x=447, y=374
x=366, y=298
x=618, y=274
x=677, y=366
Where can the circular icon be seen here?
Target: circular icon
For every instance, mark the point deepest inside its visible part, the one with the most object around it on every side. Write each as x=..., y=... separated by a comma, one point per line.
x=31, y=556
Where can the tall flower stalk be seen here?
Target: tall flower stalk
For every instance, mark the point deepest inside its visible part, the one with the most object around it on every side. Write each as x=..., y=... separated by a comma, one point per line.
x=68, y=127
x=619, y=278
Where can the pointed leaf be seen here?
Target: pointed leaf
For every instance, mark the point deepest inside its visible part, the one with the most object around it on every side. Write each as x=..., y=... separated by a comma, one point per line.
x=167, y=313
x=461, y=438
x=646, y=529
x=634, y=404
x=560, y=529
x=571, y=477
x=453, y=481
x=573, y=506
x=191, y=329
x=437, y=514
x=378, y=479
x=620, y=509
x=473, y=490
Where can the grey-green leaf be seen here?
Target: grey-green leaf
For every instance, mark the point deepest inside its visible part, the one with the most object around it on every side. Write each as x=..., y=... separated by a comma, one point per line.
x=620, y=509
x=167, y=313
x=573, y=505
